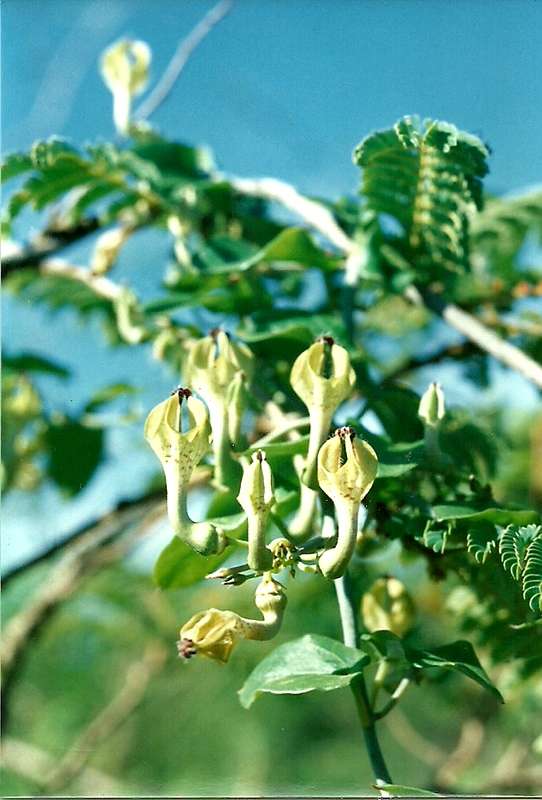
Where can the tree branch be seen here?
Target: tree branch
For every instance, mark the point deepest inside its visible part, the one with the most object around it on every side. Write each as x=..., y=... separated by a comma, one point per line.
x=485, y=339
x=33, y=764
x=322, y=220
x=183, y=52
x=100, y=285
x=106, y=722
x=454, y=352
x=63, y=579
x=46, y=244
x=114, y=520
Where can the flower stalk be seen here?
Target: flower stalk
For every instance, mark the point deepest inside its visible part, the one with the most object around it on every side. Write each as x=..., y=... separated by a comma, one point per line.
x=256, y=498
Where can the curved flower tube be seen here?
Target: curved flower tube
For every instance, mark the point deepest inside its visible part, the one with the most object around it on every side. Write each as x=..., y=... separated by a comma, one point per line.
x=346, y=484
x=256, y=498
x=214, y=633
x=219, y=371
x=179, y=453
x=321, y=394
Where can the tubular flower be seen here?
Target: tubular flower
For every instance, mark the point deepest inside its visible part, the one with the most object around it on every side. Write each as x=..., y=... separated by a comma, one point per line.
x=432, y=411
x=387, y=606
x=125, y=71
x=214, y=633
x=346, y=483
x=179, y=453
x=321, y=393
x=256, y=498
x=219, y=370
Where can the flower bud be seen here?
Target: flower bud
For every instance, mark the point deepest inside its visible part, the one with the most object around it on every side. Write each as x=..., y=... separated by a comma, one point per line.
x=346, y=483
x=125, y=68
x=387, y=606
x=321, y=393
x=431, y=409
x=107, y=249
x=218, y=369
x=214, y=633
x=270, y=600
x=256, y=498
x=179, y=453
x=129, y=317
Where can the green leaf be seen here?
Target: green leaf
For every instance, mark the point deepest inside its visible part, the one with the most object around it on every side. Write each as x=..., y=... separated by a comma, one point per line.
x=74, y=454
x=312, y=663
x=458, y=656
x=436, y=539
x=395, y=790
x=532, y=574
x=394, y=460
x=108, y=394
x=293, y=333
x=295, y=244
x=502, y=226
x=30, y=362
x=174, y=160
x=498, y=516
x=383, y=645
x=292, y=244
x=428, y=178
x=178, y=565
x=513, y=546
x=15, y=164
x=481, y=541
x=276, y=449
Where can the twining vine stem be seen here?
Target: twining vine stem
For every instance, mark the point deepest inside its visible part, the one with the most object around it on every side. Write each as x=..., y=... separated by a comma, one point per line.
x=359, y=689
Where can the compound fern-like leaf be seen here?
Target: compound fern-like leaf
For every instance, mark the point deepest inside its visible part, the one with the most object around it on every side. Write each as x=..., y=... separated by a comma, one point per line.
x=532, y=573
x=427, y=177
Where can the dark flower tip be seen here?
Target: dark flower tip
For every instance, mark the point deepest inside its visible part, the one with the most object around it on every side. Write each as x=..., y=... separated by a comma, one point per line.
x=181, y=393
x=186, y=648
x=329, y=340
x=342, y=433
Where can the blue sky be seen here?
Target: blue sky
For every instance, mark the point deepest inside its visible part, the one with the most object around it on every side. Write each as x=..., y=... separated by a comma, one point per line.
x=279, y=88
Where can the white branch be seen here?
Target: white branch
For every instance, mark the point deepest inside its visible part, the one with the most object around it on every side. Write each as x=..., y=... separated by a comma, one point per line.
x=322, y=221
x=183, y=52
x=103, y=287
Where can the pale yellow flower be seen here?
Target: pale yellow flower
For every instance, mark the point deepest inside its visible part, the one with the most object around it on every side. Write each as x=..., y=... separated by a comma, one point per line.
x=179, y=453
x=125, y=71
x=220, y=370
x=346, y=482
x=322, y=393
x=214, y=633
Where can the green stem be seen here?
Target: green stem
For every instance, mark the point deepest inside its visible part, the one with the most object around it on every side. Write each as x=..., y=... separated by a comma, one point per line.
x=359, y=689
x=227, y=470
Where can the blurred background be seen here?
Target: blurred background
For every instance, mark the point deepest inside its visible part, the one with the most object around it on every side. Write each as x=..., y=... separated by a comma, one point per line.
x=286, y=90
